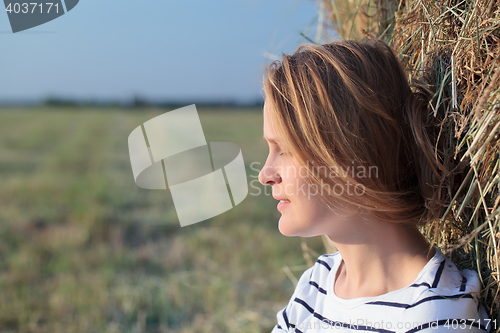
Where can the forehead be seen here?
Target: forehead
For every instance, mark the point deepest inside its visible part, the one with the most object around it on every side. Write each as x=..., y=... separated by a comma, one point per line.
x=271, y=134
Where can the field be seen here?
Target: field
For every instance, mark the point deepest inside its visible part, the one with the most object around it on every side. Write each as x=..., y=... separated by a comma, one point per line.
x=83, y=249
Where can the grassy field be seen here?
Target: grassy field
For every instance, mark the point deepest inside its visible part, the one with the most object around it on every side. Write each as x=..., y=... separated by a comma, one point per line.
x=83, y=249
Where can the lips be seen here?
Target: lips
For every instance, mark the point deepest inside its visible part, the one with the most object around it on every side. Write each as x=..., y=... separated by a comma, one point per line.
x=281, y=199
x=282, y=204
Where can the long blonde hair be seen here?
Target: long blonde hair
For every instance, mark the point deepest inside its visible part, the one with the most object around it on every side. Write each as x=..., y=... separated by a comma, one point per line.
x=348, y=106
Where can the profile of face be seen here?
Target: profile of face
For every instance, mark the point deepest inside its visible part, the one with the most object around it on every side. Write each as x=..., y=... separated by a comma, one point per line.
x=303, y=213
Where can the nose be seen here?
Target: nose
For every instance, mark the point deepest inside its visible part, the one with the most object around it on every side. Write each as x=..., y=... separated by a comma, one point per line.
x=269, y=176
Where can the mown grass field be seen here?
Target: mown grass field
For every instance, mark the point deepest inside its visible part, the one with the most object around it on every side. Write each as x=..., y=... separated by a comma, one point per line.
x=83, y=249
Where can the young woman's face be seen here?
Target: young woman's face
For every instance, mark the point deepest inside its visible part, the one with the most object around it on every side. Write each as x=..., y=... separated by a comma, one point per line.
x=302, y=211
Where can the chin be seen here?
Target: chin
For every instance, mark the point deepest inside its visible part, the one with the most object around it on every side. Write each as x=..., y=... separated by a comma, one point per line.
x=286, y=228
x=292, y=228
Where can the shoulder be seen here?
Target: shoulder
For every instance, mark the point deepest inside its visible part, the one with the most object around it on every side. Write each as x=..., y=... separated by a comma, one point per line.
x=316, y=275
x=441, y=278
x=310, y=293
x=444, y=295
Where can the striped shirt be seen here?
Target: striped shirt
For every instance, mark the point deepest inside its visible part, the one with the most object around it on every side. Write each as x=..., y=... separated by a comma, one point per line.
x=441, y=299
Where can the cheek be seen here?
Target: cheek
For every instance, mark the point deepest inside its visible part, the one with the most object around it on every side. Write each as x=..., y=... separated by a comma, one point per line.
x=309, y=202
x=317, y=207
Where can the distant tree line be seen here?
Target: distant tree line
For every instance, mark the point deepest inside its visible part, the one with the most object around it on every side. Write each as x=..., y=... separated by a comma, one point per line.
x=139, y=102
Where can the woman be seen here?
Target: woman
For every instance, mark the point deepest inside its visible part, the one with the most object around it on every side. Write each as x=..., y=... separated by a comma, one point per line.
x=351, y=157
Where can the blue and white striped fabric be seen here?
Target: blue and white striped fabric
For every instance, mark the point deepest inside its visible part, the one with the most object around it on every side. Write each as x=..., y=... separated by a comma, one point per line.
x=441, y=299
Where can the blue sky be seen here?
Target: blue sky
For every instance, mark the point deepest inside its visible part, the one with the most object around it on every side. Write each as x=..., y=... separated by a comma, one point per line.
x=156, y=49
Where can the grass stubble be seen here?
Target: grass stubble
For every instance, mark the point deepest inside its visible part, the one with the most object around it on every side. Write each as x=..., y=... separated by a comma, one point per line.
x=83, y=249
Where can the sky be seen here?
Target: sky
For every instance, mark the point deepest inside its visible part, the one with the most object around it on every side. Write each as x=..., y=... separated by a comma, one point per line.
x=155, y=49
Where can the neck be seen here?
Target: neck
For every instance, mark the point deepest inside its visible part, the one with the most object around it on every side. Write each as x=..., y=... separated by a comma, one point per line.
x=382, y=258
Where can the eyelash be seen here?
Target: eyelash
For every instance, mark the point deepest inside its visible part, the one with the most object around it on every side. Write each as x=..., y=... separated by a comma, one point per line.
x=283, y=153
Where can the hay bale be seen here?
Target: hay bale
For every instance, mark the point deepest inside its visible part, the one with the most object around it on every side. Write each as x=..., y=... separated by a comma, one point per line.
x=455, y=47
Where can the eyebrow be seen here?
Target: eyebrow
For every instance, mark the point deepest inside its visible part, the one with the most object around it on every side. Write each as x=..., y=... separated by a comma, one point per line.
x=270, y=140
